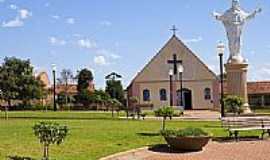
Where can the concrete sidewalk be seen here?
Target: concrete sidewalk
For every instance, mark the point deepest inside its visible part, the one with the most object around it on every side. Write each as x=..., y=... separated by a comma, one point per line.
x=202, y=115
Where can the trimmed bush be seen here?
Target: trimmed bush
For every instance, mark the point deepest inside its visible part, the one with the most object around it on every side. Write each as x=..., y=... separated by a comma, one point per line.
x=50, y=133
x=234, y=104
x=187, y=132
x=164, y=112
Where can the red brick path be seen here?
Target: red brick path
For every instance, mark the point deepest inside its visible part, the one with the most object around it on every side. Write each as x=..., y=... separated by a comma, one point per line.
x=245, y=150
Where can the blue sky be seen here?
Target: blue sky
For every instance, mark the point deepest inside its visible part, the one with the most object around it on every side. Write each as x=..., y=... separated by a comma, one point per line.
x=123, y=35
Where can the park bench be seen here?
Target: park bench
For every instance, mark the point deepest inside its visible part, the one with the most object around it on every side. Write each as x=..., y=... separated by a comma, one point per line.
x=234, y=125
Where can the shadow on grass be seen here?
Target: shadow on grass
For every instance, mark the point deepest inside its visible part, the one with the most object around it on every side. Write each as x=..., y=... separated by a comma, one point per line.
x=164, y=148
x=19, y=158
x=61, y=118
x=149, y=134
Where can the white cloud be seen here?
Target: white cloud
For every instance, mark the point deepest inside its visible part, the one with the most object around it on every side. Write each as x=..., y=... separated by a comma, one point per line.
x=13, y=6
x=115, y=56
x=57, y=42
x=108, y=53
x=70, y=20
x=55, y=17
x=259, y=72
x=17, y=22
x=100, y=60
x=86, y=43
x=24, y=14
x=106, y=23
x=193, y=40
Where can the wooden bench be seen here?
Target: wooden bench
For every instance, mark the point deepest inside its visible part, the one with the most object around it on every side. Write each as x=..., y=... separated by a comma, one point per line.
x=234, y=125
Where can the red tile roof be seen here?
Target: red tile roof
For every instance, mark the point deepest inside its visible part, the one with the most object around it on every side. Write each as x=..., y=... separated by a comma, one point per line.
x=260, y=87
x=71, y=88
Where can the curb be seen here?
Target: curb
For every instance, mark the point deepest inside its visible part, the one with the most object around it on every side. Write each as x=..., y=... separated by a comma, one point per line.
x=114, y=156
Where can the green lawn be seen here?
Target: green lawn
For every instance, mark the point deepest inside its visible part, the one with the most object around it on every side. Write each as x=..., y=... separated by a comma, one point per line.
x=262, y=111
x=92, y=135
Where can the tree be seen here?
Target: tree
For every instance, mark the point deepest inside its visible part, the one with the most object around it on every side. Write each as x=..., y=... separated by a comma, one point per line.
x=50, y=133
x=114, y=103
x=61, y=99
x=115, y=89
x=102, y=97
x=17, y=81
x=234, y=104
x=66, y=77
x=164, y=112
x=84, y=77
x=84, y=97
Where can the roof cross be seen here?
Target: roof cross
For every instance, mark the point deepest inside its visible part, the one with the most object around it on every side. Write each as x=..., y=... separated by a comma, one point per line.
x=174, y=29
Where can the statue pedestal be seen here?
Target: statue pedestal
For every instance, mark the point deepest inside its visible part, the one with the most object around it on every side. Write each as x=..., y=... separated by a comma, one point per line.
x=237, y=82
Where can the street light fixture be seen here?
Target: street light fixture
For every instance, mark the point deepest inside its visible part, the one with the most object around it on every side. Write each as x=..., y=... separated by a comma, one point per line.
x=180, y=71
x=171, y=86
x=220, y=52
x=54, y=86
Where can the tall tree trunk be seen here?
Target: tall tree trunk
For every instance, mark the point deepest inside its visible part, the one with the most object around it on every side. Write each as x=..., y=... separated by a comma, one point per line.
x=46, y=152
x=163, y=123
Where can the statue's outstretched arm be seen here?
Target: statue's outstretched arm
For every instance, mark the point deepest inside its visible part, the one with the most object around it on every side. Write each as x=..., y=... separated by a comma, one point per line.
x=217, y=16
x=252, y=15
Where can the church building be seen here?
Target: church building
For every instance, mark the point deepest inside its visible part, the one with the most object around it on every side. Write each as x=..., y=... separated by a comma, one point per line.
x=152, y=87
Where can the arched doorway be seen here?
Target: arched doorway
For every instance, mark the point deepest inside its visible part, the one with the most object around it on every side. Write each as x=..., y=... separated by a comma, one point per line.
x=187, y=98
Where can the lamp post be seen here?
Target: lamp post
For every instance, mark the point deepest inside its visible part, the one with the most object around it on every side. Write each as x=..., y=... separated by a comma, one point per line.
x=171, y=86
x=113, y=77
x=54, y=86
x=180, y=71
x=220, y=51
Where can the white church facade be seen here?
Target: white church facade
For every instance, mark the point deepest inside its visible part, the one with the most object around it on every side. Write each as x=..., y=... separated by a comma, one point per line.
x=200, y=85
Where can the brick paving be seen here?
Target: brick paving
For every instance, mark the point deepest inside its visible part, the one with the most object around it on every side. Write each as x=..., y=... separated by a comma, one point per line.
x=243, y=150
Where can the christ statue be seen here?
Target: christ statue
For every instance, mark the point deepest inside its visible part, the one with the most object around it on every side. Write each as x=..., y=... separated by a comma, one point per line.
x=234, y=20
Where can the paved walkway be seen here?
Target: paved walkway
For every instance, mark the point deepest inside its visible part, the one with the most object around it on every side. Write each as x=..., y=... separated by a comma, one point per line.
x=244, y=150
x=204, y=115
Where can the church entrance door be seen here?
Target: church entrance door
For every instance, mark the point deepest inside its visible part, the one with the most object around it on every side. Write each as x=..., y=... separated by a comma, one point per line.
x=187, y=98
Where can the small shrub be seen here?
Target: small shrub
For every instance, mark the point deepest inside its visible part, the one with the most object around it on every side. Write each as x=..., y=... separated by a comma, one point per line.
x=187, y=132
x=178, y=113
x=143, y=115
x=234, y=104
x=164, y=112
x=50, y=133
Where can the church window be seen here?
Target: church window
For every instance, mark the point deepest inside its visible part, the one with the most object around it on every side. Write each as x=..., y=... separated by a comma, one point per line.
x=146, y=95
x=207, y=93
x=163, y=95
